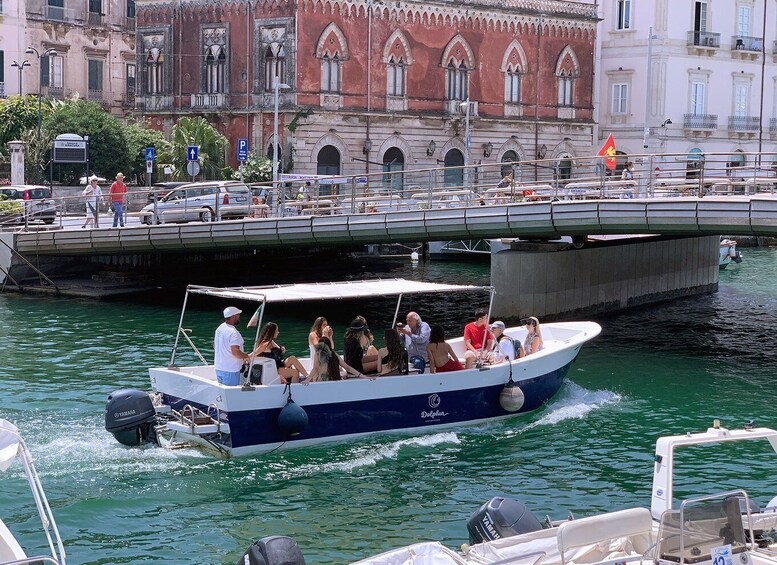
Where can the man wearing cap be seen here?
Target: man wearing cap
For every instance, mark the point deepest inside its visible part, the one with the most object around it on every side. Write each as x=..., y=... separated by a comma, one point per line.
x=228, y=348
x=505, y=346
x=117, y=193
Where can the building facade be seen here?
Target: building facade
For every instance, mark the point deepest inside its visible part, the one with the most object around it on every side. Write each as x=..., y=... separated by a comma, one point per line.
x=12, y=47
x=374, y=85
x=94, y=50
x=705, y=83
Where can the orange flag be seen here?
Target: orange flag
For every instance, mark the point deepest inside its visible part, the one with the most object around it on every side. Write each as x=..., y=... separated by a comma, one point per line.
x=608, y=152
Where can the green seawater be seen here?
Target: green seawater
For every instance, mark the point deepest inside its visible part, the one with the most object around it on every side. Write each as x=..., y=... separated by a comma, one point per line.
x=668, y=368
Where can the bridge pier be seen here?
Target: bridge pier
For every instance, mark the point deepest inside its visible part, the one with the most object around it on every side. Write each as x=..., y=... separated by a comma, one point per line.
x=556, y=280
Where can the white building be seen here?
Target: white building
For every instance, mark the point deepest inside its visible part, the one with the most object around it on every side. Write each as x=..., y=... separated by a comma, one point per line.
x=711, y=72
x=12, y=46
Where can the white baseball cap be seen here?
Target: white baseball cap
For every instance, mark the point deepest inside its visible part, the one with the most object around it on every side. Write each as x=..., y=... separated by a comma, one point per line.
x=230, y=311
x=500, y=325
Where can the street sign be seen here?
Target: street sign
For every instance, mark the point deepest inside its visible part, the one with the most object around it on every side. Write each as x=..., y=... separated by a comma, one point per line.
x=150, y=154
x=69, y=148
x=193, y=153
x=193, y=168
x=149, y=166
x=242, y=149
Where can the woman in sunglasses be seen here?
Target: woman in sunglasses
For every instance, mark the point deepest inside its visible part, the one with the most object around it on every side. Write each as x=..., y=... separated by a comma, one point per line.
x=533, y=341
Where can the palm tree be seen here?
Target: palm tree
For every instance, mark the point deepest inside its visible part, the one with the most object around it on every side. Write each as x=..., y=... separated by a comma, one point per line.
x=196, y=131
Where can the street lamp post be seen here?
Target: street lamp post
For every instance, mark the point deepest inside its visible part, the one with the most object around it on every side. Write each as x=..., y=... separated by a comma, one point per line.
x=21, y=67
x=467, y=141
x=276, y=89
x=47, y=53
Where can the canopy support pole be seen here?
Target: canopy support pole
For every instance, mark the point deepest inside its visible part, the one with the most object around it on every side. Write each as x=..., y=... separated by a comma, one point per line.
x=178, y=333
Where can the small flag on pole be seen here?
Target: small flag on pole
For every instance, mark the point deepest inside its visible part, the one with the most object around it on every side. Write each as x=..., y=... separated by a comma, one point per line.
x=252, y=323
x=608, y=152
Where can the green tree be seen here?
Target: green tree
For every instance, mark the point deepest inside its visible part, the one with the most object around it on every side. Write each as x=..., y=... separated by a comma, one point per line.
x=139, y=136
x=108, y=149
x=256, y=169
x=213, y=148
x=19, y=114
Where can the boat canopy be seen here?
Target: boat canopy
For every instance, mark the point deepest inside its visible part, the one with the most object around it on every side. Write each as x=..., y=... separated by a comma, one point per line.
x=331, y=290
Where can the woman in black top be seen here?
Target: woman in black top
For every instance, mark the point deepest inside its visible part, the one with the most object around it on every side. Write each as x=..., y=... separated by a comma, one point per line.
x=356, y=349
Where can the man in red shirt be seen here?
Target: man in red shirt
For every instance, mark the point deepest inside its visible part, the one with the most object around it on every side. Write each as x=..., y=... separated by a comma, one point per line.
x=475, y=333
x=117, y=194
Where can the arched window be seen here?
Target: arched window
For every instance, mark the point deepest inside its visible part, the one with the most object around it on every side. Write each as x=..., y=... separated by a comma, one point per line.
x=332, y=50
x=328, y=163
x=274, y=65
x=564, y=167
x=736, y=161
x=330, y=73
x=454, y=171
x=395, y=79
x=279, y=153
x=513, y=84
x=393, y=162
x=458, y=60
x=567, y=70
x=565, y=89
x=154, y=71
x=215, y=69
x=509, y=160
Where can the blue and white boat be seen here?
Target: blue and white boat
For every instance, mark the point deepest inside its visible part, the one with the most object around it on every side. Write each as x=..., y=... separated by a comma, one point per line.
x=187, y=406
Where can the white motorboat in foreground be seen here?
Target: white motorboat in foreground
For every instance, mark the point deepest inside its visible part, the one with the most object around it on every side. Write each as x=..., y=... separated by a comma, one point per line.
x=11, y=552
x=190, y=406
x=713, y=529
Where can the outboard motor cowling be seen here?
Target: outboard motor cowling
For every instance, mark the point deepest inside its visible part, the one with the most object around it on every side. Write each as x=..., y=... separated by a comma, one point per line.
x=500, y=518
x=130, y=416
x=273, y=550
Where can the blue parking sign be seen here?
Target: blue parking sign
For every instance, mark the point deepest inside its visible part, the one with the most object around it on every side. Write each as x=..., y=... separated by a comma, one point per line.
x=193, y=153
x=150, y=153
x=242, y=149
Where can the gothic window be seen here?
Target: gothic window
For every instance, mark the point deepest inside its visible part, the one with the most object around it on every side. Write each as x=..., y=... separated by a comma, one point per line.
x=215, y=69
x=155, y=60
x=565, y=88
x=567, y=70
x=458, y=61
x=513, y=84
x=274, y=65
x=396, y=76
x=332, y=51
x=330, y=73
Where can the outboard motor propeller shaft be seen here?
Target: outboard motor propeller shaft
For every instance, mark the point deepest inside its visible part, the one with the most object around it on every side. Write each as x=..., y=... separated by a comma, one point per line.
x=130, y=416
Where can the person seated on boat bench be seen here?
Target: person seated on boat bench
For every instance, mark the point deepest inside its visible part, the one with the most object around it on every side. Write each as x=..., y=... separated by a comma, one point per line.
x=320, y=329
x=327, y=363
x=289, y=368
x=441, y=355
x=392, y=359
x=415, y=334
x=533, y=342
x=357, y=350
x=505, y=347
x=228, y=348
x=475, y=333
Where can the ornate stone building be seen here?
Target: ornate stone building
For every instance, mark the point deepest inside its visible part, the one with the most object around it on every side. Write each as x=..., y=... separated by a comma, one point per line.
x=375, y=84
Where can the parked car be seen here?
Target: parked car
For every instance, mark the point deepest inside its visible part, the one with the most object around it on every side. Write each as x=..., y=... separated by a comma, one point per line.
x=162, y=189
x=36, y=202
x=204, y=201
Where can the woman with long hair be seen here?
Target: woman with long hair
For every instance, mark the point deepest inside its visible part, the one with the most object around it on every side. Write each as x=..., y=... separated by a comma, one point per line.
x=533, y=342
x=289, y=368
x=320, y=329
x=357, y=349
x=392, y=359
x=327, y=363
x=441, y=355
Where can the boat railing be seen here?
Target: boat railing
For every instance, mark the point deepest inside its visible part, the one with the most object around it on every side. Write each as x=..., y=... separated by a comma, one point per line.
x=185, y=333
x=35, y=560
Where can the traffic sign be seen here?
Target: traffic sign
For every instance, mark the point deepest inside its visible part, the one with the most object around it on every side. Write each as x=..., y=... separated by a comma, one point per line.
x=150, y=154
x=193, y=153
x=149, y=166
x=242, y=149
x=193, y=168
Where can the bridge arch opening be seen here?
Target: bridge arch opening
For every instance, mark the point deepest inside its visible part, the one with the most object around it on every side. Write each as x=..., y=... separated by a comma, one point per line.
x=454, y=172
x=393, y=165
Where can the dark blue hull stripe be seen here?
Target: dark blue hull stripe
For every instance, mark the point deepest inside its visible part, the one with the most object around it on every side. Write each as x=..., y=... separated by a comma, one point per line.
x=260, y=427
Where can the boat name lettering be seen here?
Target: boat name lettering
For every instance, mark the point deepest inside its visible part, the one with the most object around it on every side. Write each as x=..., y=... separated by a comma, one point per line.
x=122, y=414
x=433, y=414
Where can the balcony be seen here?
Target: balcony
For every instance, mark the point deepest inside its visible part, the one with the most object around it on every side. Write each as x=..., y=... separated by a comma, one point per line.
x=703, y=42
x=744, y=124
x=209, y=100
x=154, y=102
x=746, y=47
x=703, y=123
x=128, y=100
x=58, y=14
x=129, y=24
x=95, y=19
x=459, y=107
x=56, y=92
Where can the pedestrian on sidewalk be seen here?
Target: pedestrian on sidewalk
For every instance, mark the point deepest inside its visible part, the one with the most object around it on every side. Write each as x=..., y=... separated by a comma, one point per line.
x=117, y=193
x=94, y=198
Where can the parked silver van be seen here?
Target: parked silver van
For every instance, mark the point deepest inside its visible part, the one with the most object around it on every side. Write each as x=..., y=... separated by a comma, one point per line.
x=203, y=201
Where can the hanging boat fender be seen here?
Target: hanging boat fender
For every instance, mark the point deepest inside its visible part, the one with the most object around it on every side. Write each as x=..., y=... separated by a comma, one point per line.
x=732, y=252
x=293, y=419
x=511, y=398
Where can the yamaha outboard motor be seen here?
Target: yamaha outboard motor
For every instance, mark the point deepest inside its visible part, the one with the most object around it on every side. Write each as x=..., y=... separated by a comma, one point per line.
x=273, y=550
x=130, y=417
x=500, y=518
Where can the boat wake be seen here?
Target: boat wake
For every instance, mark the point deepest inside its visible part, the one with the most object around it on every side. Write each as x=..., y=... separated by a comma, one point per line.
x=574, y=403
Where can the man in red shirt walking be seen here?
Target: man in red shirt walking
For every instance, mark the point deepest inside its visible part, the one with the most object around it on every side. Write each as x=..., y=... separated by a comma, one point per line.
x=475, y=333
x=117, y=194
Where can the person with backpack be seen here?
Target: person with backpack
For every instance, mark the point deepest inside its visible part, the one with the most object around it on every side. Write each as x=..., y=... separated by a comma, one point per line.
x=505, y=347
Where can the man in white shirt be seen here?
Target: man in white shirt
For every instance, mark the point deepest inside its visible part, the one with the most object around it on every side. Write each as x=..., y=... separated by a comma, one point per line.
x=504, y=346
x=228, y=348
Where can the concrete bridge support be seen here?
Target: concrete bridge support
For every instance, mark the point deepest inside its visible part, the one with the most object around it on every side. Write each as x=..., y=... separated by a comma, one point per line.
x=553, y=281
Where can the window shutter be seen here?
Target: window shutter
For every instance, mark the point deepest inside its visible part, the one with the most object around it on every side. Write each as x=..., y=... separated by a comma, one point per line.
x=44, y=71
